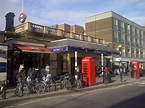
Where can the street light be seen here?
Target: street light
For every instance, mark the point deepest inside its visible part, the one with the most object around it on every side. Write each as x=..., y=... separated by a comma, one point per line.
x=120, y=64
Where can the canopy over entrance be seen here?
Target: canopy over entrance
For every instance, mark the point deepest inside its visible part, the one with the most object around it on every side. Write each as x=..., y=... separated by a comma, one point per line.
x=80, y=46
x=34, y=49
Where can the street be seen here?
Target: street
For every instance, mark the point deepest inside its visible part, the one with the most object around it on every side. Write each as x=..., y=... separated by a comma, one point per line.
x=124, y=96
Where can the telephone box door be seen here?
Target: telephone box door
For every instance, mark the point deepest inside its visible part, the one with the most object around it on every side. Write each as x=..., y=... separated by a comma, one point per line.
x=135, y=69
x=88, y=71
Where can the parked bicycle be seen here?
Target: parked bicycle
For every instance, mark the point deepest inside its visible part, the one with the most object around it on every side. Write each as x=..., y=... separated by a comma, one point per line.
x=49, y=83
x=27, y=86
x=35, y=85
x=61, y=82
x=73, y=82
x=21, y=87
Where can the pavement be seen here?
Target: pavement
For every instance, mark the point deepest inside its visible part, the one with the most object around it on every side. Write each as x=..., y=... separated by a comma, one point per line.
x=11, y=99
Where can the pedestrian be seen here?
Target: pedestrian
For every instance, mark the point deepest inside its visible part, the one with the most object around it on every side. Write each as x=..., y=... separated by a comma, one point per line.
x=48, y=77
x=47, y=68
x=106, y=70
x=78, y=75
x=31, y=72
x=21, y=73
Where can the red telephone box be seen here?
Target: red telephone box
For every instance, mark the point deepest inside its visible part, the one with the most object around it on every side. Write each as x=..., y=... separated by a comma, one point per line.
x=88, y=71
x=135, y=69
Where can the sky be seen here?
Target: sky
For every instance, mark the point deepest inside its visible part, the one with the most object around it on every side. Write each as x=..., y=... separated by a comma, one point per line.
x=51, y=12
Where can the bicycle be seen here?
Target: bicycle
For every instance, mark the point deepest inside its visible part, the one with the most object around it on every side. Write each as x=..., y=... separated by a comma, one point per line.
x=49, y=84
x=21, y=88
x=35, y=86
x=73, y=82
x=62, y=81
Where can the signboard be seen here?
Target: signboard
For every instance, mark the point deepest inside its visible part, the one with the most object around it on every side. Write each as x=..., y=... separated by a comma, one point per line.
x=22, y=17
x=3, y=62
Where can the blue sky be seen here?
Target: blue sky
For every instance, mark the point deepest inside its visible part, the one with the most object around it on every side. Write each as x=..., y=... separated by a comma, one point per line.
x=51, y=12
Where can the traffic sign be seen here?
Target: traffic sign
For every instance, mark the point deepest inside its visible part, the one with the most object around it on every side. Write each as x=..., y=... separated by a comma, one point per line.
x=22, y=17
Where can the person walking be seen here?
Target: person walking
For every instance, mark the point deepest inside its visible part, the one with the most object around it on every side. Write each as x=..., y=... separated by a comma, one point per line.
x=106, y=70
x=47, y=68
x=107, y=75
x=21, y=73
x=78, y=75
x=48, y=77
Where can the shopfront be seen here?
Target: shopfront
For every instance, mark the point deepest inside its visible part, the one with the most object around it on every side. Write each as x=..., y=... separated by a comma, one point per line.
x=27, y=54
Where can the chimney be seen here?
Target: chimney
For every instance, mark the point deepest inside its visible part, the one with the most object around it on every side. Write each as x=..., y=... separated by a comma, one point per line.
x=9, y=21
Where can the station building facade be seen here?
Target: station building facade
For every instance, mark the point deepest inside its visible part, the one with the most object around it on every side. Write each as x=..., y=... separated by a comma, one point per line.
x=37, y=45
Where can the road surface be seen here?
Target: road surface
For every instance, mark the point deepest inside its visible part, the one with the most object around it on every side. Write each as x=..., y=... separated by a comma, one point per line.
x=124, y=96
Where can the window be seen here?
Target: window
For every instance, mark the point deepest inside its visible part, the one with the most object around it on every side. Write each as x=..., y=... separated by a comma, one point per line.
x=128, y=52
x=128, y=29
x=122, y=38
x=142, y=34
x=115, y=37
x=138, y=42
x=133, y=31
x=128, y=40
x=122, y=26
x=123, y=51
x=143, y=54
x=133, y=41
x=142, y=43
x=137, y=32
x=138, y=52
x=133, y=52
x=115, y=24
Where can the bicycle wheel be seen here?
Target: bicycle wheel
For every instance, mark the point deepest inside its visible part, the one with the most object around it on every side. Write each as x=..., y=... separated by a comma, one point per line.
x=18, y=92
x=50, y=87
x=67, y=85
x=78, y=84
x=25, y=90
x=40, y=88
x=61, y=85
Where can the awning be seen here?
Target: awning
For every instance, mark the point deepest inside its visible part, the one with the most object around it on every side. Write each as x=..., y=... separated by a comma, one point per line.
x=80, y=46
x=34, y=49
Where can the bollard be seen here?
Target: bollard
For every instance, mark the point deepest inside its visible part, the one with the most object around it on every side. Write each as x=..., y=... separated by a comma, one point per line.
x=105, y=78
x=3, y=91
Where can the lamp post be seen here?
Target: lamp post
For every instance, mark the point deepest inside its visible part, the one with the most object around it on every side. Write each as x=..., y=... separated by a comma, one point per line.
x=120, y=62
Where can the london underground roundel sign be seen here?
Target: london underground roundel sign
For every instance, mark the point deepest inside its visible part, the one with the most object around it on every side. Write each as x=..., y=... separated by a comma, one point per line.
x=22, y=17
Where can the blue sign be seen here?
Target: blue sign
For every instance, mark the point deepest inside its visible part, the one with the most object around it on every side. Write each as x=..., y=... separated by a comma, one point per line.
x=62, y=49
x=3, y=66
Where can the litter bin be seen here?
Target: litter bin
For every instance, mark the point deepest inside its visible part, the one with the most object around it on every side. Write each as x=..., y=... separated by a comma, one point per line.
x=107, y=78
x=107, y=75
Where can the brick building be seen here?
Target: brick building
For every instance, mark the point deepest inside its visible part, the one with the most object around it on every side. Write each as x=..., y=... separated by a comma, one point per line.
x=116, y=29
